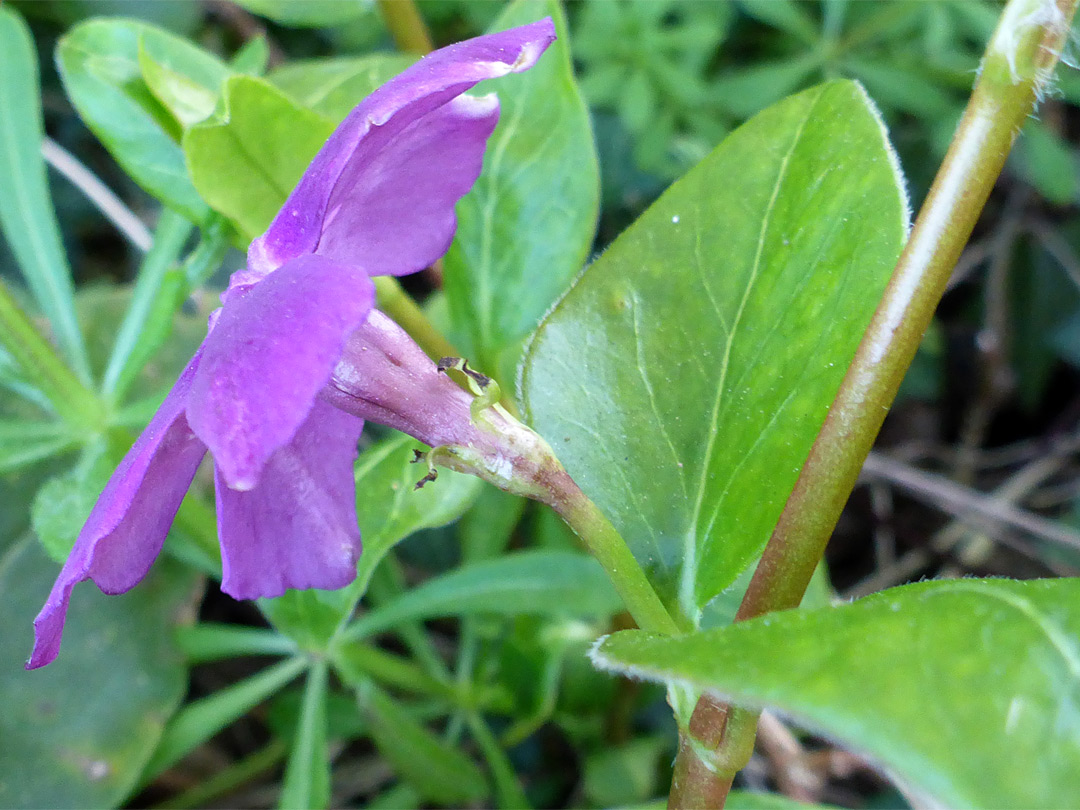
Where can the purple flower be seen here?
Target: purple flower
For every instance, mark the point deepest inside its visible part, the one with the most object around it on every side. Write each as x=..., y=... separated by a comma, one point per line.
x=297, y=332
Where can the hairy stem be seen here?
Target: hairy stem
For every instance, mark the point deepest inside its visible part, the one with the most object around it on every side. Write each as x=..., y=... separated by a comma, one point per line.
x=1016, y=68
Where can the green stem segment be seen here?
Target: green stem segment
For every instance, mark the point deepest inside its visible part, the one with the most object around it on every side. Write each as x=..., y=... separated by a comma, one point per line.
x=406, y=26
x=605, y=544
x=1017, y=65
x=43, y=367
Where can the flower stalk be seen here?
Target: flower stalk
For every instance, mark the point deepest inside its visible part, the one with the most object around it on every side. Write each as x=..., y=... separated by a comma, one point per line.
x=1015, y=72
x=406, y=26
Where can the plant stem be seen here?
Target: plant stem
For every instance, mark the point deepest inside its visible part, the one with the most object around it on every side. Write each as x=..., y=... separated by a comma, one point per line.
x=605, y=543
x=1016, y=68
x=1014, y=73
x=406, y=26
x=399, y=305
x=73, y=401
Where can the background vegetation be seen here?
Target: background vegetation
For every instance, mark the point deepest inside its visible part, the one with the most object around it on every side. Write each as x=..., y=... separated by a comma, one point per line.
x=976, y=471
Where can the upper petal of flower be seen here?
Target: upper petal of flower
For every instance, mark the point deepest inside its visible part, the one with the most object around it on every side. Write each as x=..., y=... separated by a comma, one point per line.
x=272, y=349
x=392, y=210
x=125, y=531
x=375, y=123
x=297, y=527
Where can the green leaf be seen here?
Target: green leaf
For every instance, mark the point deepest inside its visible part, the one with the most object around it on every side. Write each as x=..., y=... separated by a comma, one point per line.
x=307, y=776
x=488, y=527
x=155, y=298
x=745, y=92
x=78, y=732
x=509, y=794
x=252, y=57
x=24, y=442
x=437, y=770
x=684, y=377
x=626, y=774
x=184, y=79
x=558, y=583
x=99, y=64
x=26, y=210
x=1049, y=162
x=201, y=720
x=787, y=15
x=962, y=688
x=332, y=87
x=309, y=13
x=389, y=508
x=246, y=163
x=527, y=226
x=209, y=641
x=63, y=504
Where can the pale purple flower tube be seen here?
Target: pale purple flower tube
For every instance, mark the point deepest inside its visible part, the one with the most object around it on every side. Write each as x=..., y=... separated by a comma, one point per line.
x=260, y=394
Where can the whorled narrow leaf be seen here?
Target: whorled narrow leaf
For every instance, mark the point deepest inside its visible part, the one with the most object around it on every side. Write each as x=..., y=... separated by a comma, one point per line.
x=683, y=378
x=439, y=771
x=553, y=583
x=200, y=720
x=26, y=210
x=526, y=228
x=307, y=776
x=99, y=64
x=965, y=689
x=24, y=442
x=154, y=299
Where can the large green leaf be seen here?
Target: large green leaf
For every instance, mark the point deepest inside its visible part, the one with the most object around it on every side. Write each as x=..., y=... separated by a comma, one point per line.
x=26, y=211
x=99, y=63
x=78, y=732
x=963, y=689
x=684, y=377
x=389, y=508
x=246, y=162
x=558, y=583
x=332, y=87
x=526, y=228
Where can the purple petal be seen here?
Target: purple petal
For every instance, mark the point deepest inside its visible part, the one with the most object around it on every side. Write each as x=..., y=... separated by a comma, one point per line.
x=125, y=531
x=297, y=528
x=376, y=122
x=272, y=349
x=392, y=210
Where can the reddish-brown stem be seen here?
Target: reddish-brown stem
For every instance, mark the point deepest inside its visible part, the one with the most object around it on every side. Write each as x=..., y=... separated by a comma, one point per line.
x=1018, y=62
